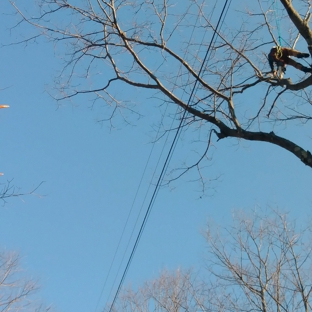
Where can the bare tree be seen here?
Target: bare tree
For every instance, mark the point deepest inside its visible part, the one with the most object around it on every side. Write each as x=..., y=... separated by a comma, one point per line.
x=160, y=46
x=8, y=190
x=260, y=263
x=16, y=291
x=170, y=292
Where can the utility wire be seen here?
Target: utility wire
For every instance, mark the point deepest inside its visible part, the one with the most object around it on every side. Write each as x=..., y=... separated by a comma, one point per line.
x=128, y=217
x=126, y=223
x=161, y=153
x=164, y=168
x=212, y=43
x=183, y=121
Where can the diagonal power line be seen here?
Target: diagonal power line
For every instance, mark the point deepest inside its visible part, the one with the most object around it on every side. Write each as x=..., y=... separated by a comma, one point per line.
x=170, y=152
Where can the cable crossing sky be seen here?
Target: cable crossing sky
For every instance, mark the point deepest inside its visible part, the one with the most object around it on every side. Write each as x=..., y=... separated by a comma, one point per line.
x=165, y=165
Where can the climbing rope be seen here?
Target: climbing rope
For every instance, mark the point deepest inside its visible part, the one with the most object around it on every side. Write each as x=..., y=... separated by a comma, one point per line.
x=277, y=20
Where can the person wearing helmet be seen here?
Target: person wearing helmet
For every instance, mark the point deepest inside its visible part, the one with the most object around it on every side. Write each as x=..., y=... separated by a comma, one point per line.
x=280, y=57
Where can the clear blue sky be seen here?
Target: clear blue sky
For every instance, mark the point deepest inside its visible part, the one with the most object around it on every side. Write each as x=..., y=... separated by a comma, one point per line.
x=68, y=236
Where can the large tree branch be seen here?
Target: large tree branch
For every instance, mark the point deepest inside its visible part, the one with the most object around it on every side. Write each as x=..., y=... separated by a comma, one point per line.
x=301, y=24
x=303, y=155
x=225, y=132
x=286, y=82
x=134, y=49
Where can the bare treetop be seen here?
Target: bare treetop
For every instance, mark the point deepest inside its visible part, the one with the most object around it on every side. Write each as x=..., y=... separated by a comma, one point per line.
x=260, y=262
x=161, y=46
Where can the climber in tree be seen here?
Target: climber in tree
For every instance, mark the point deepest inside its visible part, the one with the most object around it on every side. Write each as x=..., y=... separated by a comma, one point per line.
x=281, y=57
